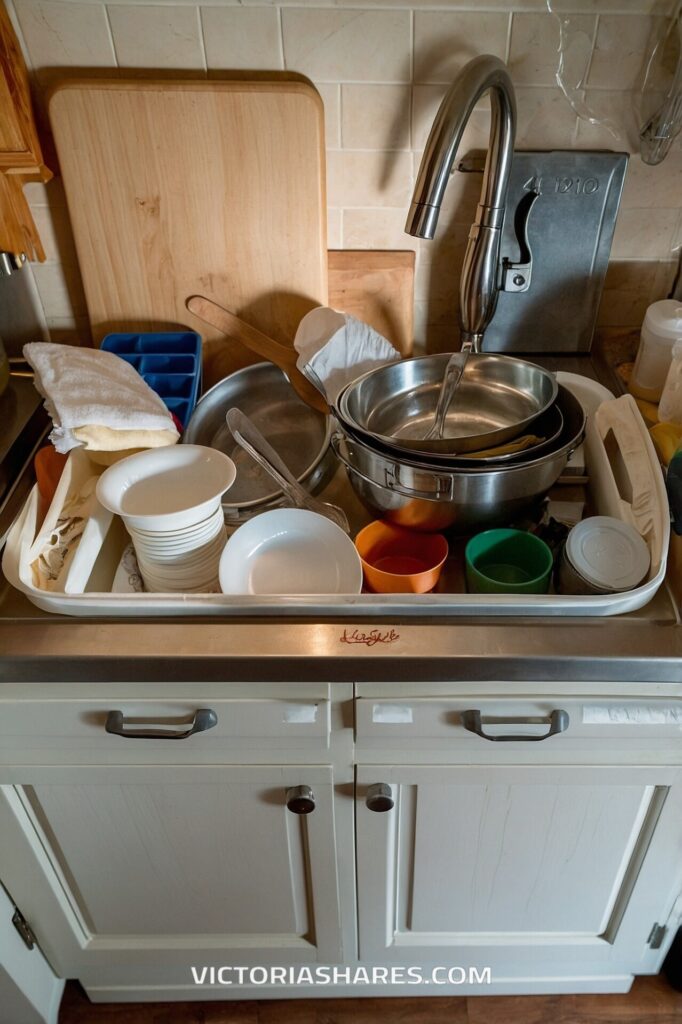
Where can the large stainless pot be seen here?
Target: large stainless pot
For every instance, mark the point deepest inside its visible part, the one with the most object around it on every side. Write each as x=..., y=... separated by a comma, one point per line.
x=427, y=496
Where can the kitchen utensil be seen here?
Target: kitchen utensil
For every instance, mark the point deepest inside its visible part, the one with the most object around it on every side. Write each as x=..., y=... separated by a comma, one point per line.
x=546, y=430
x=297, y=432
x=507, y=562
x=451, y=380
x=398, y=561
x=290, y=551
x=283, y=356
x=498, y=398
x=170, y=363
x=171, y=180
x=167, y=488
x=602, y=555
x=252, y=441
x=423, y=495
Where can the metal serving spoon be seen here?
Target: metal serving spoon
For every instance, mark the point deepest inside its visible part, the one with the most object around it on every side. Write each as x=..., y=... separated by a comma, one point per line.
x=454, y=372
x=249, y=437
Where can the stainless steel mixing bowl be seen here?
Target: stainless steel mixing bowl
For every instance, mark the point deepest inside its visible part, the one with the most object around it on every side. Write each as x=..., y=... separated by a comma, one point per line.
x=298, y=433
x=425, y=495
x=498, y=398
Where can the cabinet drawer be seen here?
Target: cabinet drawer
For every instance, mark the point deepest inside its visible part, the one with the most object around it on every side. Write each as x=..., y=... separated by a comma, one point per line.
x=74, y=731
x=542, y=726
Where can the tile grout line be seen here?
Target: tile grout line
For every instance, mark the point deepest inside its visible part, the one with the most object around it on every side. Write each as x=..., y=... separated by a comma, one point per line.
x=202, y=40
x=111, y=34
x=280, y=23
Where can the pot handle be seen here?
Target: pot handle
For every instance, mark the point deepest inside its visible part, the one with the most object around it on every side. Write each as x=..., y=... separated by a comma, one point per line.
x=442, y=491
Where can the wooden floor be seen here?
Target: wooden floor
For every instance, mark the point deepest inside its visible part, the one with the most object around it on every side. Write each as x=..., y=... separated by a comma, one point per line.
x=651, y=1001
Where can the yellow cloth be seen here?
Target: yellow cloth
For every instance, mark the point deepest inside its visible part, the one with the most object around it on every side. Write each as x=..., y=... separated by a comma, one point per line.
x=649, y=411
x=98, y=438
x=667, y=438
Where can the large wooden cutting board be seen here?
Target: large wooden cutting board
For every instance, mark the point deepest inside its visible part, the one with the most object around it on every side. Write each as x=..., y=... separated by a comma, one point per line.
x=179, y=188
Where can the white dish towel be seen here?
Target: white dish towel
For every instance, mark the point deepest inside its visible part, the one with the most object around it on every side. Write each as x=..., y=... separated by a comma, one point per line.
x=339, y=348
x=97, y=401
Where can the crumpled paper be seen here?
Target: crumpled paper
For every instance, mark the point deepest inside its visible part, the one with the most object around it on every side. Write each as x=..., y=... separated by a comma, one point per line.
x=339, y=348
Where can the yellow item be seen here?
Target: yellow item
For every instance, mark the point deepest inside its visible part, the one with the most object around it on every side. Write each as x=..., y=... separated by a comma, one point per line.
x=109, y=458
x=519, y=445
x=99, y=438
x=667, y=438
x=649, y=411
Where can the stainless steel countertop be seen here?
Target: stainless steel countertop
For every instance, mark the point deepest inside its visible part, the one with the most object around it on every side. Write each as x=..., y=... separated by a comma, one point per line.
x=644, y=646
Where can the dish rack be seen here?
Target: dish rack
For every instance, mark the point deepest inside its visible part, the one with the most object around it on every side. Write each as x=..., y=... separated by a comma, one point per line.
x=169, y=363
x=624, y=480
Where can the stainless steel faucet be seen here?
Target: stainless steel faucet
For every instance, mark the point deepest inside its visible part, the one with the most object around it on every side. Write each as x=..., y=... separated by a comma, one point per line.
x=481, y=272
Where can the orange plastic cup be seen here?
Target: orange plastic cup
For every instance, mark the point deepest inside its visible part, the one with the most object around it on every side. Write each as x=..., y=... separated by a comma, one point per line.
x=398, y=561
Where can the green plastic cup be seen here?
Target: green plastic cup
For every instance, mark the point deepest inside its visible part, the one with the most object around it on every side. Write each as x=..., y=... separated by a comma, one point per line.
x=507, y=562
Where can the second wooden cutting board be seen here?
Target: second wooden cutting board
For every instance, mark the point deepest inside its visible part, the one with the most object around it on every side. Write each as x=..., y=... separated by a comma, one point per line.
x=177, y=188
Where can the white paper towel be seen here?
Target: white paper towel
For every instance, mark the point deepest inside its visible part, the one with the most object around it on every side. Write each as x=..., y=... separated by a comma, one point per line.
x=339, y=348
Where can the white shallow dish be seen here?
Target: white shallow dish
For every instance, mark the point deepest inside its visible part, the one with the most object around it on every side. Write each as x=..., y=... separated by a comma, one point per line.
x=290, y=551
x=167, y=488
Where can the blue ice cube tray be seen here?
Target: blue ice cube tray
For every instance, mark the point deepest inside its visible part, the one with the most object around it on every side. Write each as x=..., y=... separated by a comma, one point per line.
x=169, y=363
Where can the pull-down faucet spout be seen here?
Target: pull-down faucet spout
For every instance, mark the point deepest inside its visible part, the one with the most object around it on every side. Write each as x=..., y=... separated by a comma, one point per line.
x=480, y=280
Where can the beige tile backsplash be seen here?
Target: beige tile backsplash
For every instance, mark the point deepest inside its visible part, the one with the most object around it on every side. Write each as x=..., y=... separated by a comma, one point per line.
x=382, y=67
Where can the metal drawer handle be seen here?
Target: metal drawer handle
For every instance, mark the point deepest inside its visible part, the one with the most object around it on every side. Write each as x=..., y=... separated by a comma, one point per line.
x=380, y=797
x=204, y=718
x=557, y=721
x=300, y=800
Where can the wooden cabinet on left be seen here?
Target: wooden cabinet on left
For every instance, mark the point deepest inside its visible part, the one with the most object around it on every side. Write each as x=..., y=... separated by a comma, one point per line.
x=21, y=158
x=122, y=869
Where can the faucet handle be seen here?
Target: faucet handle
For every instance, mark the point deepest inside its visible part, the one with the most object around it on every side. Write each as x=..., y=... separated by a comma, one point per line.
x=516, y=276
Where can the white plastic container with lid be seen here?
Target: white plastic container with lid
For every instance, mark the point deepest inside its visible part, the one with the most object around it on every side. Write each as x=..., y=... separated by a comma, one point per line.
x=603, y=555
x=670, y=407
x=662, y=327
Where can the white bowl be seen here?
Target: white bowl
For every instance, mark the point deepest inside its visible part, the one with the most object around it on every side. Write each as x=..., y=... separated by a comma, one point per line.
x=167, y=488
x=184, y=533
x=290, y=551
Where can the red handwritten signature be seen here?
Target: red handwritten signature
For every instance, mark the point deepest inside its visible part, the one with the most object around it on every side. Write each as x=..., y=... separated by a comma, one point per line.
x=375, y=636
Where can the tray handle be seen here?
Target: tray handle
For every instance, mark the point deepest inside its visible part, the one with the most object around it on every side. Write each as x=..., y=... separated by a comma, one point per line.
x=623, y=438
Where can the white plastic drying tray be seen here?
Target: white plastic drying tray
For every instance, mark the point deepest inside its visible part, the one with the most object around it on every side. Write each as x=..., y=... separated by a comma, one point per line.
x=604, y=469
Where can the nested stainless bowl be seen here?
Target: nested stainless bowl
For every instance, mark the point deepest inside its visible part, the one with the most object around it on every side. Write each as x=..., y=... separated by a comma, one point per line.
x=547, y=427
x=298, y=433
x=498, y=398
x=427, y=495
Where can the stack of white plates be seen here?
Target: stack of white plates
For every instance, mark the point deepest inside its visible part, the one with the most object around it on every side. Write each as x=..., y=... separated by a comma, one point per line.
x=183, y=560
x=170, y=501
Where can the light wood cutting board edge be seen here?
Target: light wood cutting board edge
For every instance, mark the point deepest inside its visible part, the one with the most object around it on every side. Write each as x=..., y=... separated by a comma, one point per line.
x=277, y=83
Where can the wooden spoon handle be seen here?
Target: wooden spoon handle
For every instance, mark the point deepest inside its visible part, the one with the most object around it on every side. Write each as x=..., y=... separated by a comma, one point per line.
x=281, y=355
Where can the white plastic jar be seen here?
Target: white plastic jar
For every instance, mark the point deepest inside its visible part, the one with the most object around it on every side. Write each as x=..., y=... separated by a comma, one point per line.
x=670, y=408
x=662, y=327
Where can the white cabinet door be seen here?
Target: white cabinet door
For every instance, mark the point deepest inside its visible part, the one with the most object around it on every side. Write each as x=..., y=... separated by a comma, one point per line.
x=534, y=871
x=162, y=864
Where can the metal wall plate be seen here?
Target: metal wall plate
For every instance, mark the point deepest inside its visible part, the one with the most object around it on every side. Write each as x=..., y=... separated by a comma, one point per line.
x=570, y=230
